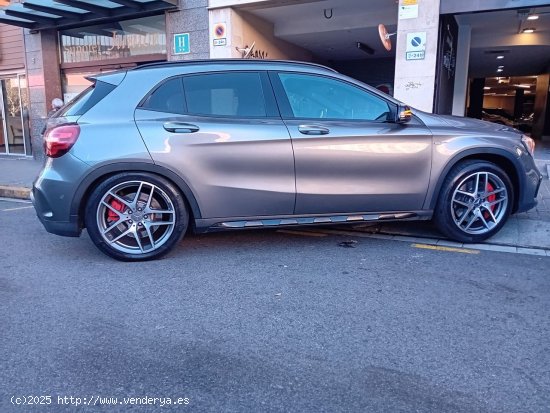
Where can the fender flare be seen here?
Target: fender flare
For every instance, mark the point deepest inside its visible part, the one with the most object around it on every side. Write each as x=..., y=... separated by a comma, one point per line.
x=87, y=182
x=477, y=151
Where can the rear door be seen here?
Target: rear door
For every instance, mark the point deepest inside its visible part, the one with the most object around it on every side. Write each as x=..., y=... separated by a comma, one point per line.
x=350, y=156
x=222, y=133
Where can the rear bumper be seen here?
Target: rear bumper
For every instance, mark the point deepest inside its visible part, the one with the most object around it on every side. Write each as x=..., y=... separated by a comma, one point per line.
x=53, y=192
x=45, y=215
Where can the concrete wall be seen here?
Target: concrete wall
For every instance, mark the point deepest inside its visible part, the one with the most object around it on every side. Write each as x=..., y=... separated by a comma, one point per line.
x=243, y=29
x=191, y=17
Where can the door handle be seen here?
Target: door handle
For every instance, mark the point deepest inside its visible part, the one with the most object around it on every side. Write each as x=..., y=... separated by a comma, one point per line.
x=313, y=130
x=180, y=127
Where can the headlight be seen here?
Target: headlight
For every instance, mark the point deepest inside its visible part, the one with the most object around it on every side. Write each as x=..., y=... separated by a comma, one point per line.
x=529, y=144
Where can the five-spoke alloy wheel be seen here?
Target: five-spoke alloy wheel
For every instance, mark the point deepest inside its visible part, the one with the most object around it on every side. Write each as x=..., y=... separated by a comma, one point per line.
x=475, y=201
x=136, y=216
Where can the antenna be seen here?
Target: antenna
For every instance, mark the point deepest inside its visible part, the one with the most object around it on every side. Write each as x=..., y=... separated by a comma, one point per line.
x=385, y=36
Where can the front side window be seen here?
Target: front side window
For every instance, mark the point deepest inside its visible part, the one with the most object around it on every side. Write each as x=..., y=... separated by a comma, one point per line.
x=225, y=94
x=317, y=97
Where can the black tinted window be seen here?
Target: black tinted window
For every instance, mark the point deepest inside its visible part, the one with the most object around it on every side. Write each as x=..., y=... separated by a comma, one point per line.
x=86, y=100
x=225, y=94
x=168, y=97
x=317, y=97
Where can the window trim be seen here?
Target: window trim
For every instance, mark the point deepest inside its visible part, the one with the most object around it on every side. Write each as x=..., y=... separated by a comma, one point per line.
x=286, y=109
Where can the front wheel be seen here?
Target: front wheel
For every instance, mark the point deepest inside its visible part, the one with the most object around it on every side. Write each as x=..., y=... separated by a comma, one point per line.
x=136, y=216
x=475, y=201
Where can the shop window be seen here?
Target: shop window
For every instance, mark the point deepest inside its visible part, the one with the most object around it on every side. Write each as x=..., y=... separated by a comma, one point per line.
x=225, y=94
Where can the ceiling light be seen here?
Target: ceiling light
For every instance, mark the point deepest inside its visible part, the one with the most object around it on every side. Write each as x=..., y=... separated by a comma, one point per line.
x=500, y=57
x=500, y=70
x=501, y=67
x=533, y=17
x=529, y=30
x=523, y=86
x=487, y=88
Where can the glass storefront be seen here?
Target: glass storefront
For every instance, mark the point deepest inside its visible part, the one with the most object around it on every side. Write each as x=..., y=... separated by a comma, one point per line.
x=14, y=116
x=86, y=51
x=117, y=40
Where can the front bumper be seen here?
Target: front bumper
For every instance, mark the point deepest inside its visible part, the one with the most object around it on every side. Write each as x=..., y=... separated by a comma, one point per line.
x=530, y=182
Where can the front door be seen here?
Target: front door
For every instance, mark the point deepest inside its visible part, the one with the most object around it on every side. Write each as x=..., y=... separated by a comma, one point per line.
x=349, y=154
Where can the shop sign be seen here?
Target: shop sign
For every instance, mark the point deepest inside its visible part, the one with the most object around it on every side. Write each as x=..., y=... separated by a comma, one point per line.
x=181, y=43
x=416, y=46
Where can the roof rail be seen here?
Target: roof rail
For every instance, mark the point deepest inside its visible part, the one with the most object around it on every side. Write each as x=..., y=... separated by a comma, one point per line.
x=229, y=61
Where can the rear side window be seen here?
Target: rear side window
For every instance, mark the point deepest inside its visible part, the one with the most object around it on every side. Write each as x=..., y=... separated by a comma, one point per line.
x=225, y=94
x=87, y=99
x=168, y=97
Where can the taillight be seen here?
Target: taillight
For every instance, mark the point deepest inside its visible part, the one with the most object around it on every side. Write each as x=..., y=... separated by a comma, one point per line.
x=60, y=139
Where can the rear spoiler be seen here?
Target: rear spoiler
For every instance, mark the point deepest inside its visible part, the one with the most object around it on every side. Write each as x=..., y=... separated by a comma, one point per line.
x=113, y=78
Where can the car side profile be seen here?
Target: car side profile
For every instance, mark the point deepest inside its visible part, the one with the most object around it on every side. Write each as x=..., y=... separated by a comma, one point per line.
x=144, y=155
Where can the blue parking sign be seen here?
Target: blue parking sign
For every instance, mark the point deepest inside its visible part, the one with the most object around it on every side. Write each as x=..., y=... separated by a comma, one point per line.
x=181, y=43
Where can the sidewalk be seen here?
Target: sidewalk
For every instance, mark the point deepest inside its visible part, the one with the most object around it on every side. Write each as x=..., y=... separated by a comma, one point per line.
x=529, y=229
x=17, y=175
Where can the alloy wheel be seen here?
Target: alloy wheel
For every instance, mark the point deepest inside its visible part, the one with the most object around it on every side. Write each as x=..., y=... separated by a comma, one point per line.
x=136, y=217
x=479, y=203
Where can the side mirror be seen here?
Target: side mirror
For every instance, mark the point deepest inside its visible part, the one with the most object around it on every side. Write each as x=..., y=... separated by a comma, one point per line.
x=404, y=114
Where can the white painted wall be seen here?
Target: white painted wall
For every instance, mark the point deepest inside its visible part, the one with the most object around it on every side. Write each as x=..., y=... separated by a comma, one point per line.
x=461, y=70
x=243, y=29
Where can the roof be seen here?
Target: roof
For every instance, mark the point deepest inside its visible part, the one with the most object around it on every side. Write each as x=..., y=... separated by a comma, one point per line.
x=60, y=14
x=230, y=62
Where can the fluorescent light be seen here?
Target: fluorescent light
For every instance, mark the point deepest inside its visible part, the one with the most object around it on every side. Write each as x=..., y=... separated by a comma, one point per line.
x=500, y=57
x=529, y=30
x=487, y=88
x=524, y=86
x=533, y=17
x=501, y=67
x=500, y=70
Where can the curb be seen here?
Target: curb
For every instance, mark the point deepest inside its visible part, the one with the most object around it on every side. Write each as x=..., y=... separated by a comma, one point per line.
x=16, y=192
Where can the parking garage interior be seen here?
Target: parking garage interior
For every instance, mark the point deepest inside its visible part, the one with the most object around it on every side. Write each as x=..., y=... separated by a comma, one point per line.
x=509, y=66
x=507, y=63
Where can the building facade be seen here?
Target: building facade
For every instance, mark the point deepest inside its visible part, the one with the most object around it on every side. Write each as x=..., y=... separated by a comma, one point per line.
x=442, y=56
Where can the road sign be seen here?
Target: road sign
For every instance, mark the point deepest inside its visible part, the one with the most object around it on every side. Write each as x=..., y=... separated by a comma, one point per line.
x=181, y=43
x=416, y=46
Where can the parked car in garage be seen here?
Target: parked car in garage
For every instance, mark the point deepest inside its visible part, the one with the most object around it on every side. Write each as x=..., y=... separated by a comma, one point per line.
x=145, y=155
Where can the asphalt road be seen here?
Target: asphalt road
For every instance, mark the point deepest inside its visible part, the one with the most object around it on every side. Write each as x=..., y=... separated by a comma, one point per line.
x=270, y=321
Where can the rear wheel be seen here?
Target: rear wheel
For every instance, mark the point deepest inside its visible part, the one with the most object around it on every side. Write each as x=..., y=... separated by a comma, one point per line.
x=136, y=216
x=475, y=201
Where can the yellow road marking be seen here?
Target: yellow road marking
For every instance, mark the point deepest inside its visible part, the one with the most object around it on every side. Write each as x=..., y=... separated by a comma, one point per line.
x=447, y=249
x=306, y=233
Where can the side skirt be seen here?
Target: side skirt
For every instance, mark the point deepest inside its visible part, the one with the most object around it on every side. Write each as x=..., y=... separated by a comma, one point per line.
x=221, y=224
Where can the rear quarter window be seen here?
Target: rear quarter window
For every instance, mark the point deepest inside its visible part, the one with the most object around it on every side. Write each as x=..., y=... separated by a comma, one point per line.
x=86, y=100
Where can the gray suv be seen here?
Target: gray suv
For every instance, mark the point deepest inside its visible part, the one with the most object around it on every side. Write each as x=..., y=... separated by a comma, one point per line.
x=146, y=154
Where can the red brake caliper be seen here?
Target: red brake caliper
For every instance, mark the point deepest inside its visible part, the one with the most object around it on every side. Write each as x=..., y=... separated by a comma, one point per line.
x=490, y=198
x=119, y=206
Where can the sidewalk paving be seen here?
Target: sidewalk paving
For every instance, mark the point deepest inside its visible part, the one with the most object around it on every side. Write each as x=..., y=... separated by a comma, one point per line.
x=529, y=229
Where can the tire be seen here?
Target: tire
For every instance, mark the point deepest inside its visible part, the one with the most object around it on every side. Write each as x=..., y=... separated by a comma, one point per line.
x=468, y=215
x=131, y=227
